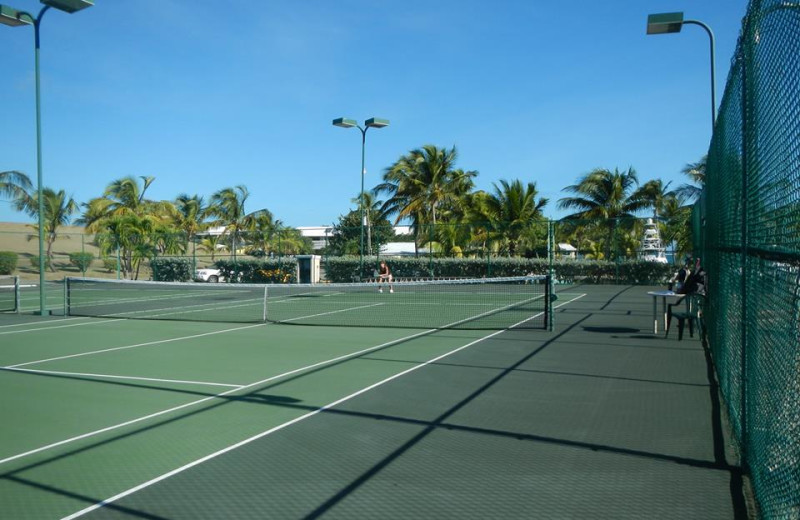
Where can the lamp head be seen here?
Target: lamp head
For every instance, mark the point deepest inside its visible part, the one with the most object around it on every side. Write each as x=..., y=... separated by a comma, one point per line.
x=664, y=23
x=343, y=122
x=12, y=17
x=69, y=6
x=376, y=123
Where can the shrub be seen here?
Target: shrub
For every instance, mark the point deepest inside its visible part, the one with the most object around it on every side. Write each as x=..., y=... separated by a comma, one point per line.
x=346, y=269
x=110, y=264
x=8, y=262
x=171, y=269
x=267, y=270
x=35, y=262
x=81, y=260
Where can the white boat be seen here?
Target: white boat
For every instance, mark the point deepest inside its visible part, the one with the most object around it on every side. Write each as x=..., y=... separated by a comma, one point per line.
x=652, y=249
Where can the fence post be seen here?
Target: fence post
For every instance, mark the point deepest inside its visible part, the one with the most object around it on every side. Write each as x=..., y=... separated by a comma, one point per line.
x=430, y=250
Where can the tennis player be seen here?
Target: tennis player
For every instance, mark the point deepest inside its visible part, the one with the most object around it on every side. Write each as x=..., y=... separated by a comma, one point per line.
x=384, y=275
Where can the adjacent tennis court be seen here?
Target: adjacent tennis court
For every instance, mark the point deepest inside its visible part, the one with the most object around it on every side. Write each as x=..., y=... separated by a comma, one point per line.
x=111, y=417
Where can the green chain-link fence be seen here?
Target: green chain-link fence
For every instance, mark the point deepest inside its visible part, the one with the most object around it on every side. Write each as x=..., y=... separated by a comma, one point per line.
x=747, y=227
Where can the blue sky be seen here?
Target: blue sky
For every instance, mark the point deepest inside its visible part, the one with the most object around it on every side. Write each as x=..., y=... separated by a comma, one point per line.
x=206, y=94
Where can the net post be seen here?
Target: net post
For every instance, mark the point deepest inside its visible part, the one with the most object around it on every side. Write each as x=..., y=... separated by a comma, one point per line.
x=17, y=295
x=265, y=303
x=66, y=296
x=548, y=303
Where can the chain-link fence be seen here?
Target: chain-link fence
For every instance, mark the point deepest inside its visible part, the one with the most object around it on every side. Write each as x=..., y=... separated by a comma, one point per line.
x=747, y=227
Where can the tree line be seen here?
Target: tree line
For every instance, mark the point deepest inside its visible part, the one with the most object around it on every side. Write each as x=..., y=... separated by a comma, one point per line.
x=423, y=188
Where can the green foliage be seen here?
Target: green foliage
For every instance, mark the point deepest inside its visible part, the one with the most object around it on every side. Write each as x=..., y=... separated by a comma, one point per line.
x=346, y=235
x=81, y=260
x=35, y=262
x=110, y=264
x=345, y=269
x=171, y=269
x=267, y=270
x=8, y=262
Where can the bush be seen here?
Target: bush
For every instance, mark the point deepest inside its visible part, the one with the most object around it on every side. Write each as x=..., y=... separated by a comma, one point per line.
x=110, y=264
x=35, y=262
x=81, y=260
x=8, y=262
x=171, y=269
x=345, y=269
x=267, y=270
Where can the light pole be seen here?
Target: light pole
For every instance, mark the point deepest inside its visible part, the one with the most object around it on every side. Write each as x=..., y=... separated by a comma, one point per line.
x=15, y=18
x=369, y=123
x=665, y=23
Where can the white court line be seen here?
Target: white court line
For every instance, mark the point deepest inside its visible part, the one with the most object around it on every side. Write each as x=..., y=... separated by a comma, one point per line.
x=156, y=414
x=98, y=322
x=223, y=394
x=331, y=312
x=296, y=420
x=43, y=322
x=110, y=376
x=156, y=342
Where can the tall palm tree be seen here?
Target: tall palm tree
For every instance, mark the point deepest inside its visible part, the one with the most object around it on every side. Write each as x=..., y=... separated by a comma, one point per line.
x=697, y=175
x=422, y=183
x=145, y=224
x=58, y=210
x=228, y=206
x=124, y=197
x=512, y=209
x=14, y=184
x=608, y=198
x=190, y=217
x=373, y=212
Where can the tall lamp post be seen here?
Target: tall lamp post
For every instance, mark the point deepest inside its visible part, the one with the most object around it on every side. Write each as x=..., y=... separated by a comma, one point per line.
x=665, y=23
x=15, y=18
x=369, y=123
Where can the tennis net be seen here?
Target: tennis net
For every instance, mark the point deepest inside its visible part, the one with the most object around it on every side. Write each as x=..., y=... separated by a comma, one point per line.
x=9, y=293
x=486, y=303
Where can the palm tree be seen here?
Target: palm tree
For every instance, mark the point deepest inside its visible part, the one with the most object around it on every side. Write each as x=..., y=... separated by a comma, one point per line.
x=512, y=209
x=190, y=217
x=14, y=184
x=608, y=198
x=422, y=184
x=697, y=174
x=228, y=206
x=144, y=223
x=58, y=210
x=373, y=211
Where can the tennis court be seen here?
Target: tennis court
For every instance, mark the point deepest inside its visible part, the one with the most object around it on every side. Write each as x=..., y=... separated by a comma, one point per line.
x=162, y=418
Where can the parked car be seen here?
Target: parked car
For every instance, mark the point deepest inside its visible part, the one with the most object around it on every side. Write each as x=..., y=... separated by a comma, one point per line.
x=209, y=275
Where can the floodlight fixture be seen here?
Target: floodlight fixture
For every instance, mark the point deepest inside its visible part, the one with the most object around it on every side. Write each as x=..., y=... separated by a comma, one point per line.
x=664, y=23
x=343, y=122
x=376, y=123
x=68, y=6
x=373, y=122
x=13, y=18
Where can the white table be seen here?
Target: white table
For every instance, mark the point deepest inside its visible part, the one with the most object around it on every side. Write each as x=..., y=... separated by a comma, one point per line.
x=663, y=295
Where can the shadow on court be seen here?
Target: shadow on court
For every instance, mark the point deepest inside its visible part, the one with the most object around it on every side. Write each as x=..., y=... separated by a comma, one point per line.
x=598, y=419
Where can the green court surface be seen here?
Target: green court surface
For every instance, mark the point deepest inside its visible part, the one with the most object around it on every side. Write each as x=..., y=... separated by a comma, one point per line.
x=128, y=418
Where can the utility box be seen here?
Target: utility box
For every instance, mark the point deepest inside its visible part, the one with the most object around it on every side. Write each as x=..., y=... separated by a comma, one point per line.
x=308, y=270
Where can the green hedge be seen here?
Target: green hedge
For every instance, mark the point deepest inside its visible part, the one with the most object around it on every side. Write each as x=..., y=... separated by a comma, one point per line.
x=267, y=270
x=8, y=262
x=171, y=269
x=346, y=269
x=81, y=260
